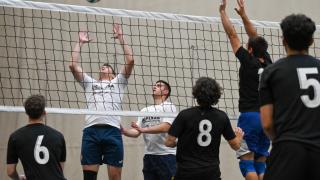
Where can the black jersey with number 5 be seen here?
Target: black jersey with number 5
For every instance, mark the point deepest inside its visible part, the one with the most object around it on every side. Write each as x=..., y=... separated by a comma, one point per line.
x=40, y=149
x=199, y=134
x=292, y=85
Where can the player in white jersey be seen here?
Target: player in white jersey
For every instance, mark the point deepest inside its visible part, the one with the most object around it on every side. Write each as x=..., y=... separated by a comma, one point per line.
x=102, y=140
x=159, y=162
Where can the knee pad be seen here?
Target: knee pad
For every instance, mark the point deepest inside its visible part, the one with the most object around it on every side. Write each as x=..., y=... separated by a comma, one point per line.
x=89, y=175
x=246, y=166
x=260, y=167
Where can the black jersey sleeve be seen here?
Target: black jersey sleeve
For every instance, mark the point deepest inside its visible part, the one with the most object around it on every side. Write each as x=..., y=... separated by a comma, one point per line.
x=12, y=155
x=177, y=126
x=64, y=151
x=243, y=55
x=228, y=132
x=265, y=92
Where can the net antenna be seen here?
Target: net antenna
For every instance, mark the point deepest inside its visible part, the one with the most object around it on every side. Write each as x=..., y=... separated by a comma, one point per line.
x=37, y=40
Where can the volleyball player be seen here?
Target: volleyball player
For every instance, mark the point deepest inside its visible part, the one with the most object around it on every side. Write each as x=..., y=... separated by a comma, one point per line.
x=159, y=161
x=290, y=105
x=198, y=130
x=40, y=148
x=102, y=140
x=254, y=148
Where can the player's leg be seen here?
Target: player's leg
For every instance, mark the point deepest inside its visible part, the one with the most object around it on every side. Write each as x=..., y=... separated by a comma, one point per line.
x=114, y=173
x=260, y=166
x=261, y=154
x=90, y=154
x=247, y=122
x=112, y=150
x=287, y=161
x=149, y=168
x=166, y=166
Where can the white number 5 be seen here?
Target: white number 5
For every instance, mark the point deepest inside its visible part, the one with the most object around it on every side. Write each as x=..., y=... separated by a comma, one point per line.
x=38, y=149
x=306, y=83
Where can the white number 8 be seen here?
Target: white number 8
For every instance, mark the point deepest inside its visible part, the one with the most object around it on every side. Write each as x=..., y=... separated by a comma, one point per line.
x=204, y=132
x=38, y=149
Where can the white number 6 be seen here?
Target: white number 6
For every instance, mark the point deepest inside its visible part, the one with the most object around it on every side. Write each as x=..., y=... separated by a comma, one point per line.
x=306, y=83
x=38, y=149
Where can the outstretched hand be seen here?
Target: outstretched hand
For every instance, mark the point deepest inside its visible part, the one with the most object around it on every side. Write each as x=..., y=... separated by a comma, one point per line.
x=239, y=133
x=117, y=31
x=223, y=5
x=84, y=37
x=138, y=128
x=22, y=177
x=240, y=9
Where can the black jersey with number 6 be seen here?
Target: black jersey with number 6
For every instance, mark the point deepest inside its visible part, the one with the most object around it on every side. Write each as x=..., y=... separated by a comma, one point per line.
x=292, y=85
x=40, y=149
x=199, y=133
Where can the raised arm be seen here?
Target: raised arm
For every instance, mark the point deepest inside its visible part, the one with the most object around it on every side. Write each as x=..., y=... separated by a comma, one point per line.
x=251, y=31
x=229, y=29
x=74, y=66
x=128, y=66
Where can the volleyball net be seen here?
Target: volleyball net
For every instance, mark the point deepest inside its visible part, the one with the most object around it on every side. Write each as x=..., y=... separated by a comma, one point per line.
x=37, y=40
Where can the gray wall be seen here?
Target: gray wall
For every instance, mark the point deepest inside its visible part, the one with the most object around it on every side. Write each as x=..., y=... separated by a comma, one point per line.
x=71, y=126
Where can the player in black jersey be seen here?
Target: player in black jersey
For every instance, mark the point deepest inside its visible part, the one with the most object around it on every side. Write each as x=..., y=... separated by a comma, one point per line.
x=40, y=148
x=255, y=145
x=199, y=131
x=290, y=105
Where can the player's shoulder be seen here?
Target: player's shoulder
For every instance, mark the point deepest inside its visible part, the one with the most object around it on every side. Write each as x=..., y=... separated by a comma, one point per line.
x=279, y=63
x=220, y=113
x=53, y=131
x=17, y=133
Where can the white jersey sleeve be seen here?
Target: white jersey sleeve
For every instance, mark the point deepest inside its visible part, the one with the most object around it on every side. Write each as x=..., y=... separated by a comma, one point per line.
x=87, y=81
x=169, y=108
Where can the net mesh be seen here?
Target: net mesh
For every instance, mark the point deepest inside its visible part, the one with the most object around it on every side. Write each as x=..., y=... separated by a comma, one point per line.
x=37, y=41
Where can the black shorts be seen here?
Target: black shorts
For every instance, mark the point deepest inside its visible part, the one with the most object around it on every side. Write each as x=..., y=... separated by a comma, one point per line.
x=294, y=161
x=199, y=174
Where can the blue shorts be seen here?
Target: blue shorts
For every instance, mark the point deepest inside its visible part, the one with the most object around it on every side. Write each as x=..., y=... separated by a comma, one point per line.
x=159, y=167
x=102, y=144
x=254, y=138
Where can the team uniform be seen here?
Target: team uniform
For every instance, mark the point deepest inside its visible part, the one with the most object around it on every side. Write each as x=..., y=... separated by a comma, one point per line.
x=159, y=162
x=254, y=139
x=40, y=149
x=292, y=86
x=199, y=133
x=102, y=139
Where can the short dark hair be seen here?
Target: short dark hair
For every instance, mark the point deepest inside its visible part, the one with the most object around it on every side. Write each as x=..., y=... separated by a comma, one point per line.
x=168, y=86
x=108, y=65
x=297, y=31
x=35, y=106
x=259, y=46
x=206, y=91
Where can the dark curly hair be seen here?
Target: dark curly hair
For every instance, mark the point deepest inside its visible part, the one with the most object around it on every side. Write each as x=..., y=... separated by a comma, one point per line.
x=297, y=31
x=206, y=91
x=259, y=46
x=35, y=106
